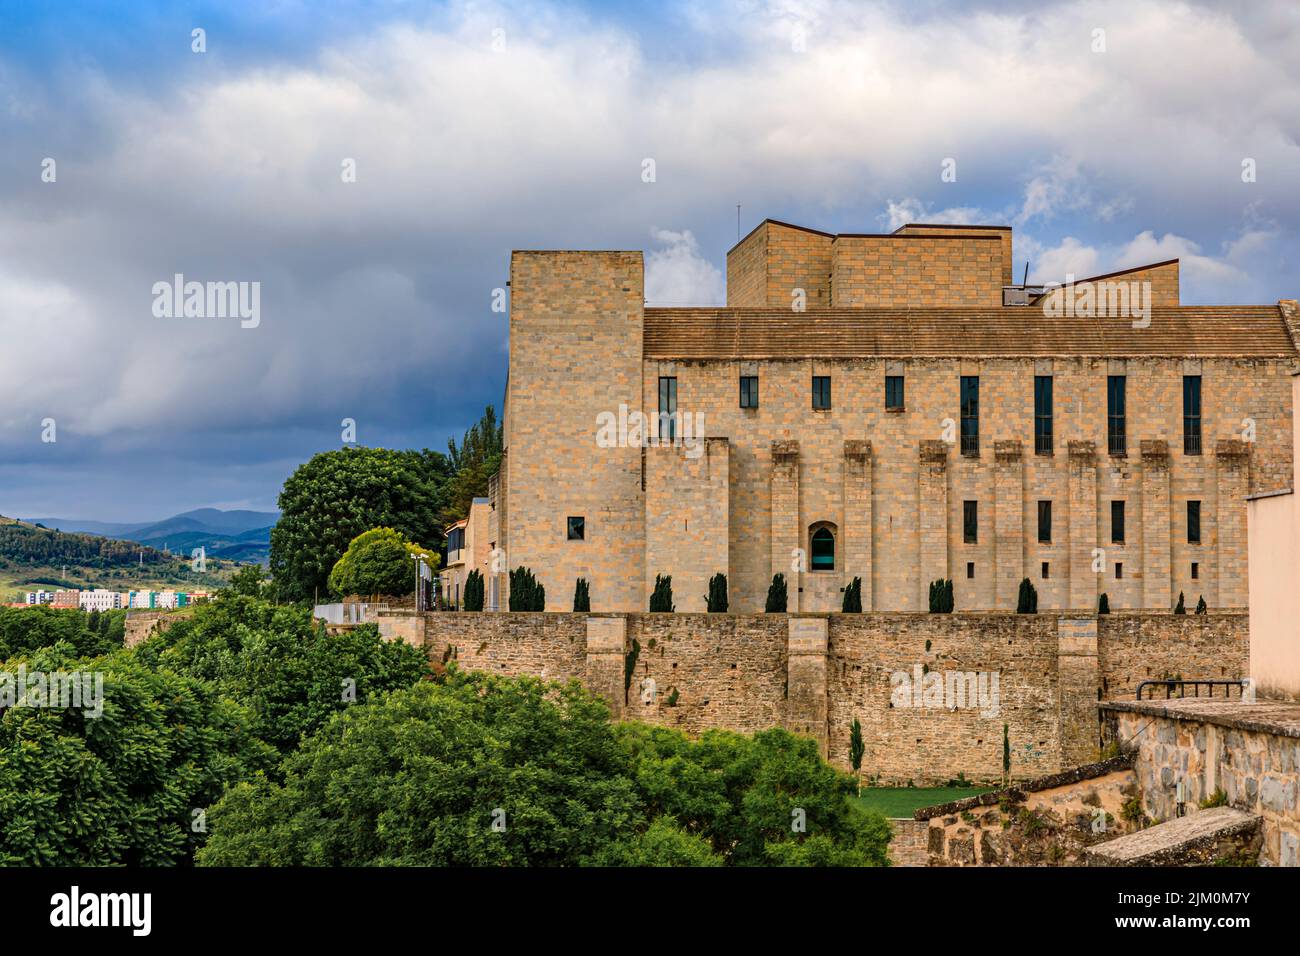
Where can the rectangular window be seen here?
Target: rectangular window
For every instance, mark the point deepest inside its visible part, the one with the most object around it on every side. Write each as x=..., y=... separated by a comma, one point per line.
x=821, y=392
x=1046, y=570
x=970, y=569
x=893, y=393
x=577, y=528
x=970, y=522
x=749, y=391
x=667, y=408
x=1191, y=414
x=970, y=415
x=1119, y=570
x=1117, y=522
x=1193, y=522
x=1196, y=570
x=1042, y=414
x=1045, y=522
x=1116, y=415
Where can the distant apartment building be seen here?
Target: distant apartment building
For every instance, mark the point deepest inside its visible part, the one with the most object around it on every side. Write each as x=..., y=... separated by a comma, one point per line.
x=889, y=407
x=468, y=549
x=69, y=598
x=100, y=599
x=40, y=597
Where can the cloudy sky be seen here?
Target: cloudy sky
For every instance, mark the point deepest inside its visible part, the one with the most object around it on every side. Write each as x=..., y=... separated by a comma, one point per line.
x=476, y=128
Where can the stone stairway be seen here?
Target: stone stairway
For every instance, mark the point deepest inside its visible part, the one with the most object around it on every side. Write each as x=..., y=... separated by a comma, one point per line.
x=1199, y=839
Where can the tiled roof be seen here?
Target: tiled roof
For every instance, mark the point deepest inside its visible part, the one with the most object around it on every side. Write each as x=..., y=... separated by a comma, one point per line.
x=1253, y=331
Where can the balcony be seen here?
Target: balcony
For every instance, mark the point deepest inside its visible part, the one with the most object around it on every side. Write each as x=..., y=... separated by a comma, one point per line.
x=970, y=445
x=1117, y=445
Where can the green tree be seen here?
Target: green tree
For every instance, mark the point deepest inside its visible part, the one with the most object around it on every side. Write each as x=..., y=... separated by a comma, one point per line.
x=119, y=789
x=853, y=597
x=249, y=580
x=337, y=495
x=473, y=596
x=1027, y=599
x=472, y=463
x=1103, y=604
x=289, y=672
x=857, y=749
x=379, y=561
x=582, y=595
x=716, y=600
x=1201, y=606
x=28, y=628
x=479, y=770
x=661, y=599
x=1181, y=606
x=526, y=592
x=941, y=596
x=777, y=596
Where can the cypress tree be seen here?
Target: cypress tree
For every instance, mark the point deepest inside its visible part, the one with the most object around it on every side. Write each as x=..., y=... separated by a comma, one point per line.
x=1201, y=607
x=582, y=596
x=776, y=595
x=1103, y=604
x=716, y=599
x=1027, y=601
x=1181, y=606
x=661, y=601
x=853, y=597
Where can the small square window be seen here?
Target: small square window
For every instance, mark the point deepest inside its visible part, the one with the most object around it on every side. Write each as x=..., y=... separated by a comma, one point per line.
x=577, y=528
x=749, y=391
x=1119, y=570
x=970, y=569
x=1046, y=569
x=1196, y=570
x=821, y=391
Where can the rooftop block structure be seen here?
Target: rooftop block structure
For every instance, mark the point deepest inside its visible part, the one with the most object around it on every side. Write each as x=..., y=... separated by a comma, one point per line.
x=890, y=407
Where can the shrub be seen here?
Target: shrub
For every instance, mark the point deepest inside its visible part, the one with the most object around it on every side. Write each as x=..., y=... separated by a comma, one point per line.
x=1027, y=601
x=473, y=595
x=776, y=595
x=716, y=599
x=582, y=595
x=661, y=600
x=526, y=594
x=856, y=747
x=853, y=597
x=941, y=599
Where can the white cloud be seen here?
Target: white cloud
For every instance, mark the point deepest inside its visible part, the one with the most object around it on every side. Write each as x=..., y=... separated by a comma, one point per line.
x=678, y=275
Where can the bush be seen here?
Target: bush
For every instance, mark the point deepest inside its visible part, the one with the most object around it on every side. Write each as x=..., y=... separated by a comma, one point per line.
x=941, y=598
x=472, y=598
x=716, y=599
x=526, y=594
x=420, y=777
x=853, y=597
x=1027, y=600
x=25, y=629
x=120, y=789
x=776, y=595
x=582, y=595
x=378, y=561
x=661, y=600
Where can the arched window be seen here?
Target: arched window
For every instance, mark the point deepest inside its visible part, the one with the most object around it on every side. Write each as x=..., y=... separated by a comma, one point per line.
x=823, y=550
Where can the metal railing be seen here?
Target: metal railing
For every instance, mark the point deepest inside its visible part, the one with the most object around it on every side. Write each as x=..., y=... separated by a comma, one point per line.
x=970, y=445
x=1118, y=444
x=1196, y=685
x=1192, y=442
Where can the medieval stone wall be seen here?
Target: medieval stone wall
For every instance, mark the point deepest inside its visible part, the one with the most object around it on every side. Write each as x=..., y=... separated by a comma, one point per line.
x=815, y=674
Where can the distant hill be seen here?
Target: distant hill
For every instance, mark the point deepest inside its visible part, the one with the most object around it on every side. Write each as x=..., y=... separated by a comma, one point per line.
x=32, y=557
x=234, y=535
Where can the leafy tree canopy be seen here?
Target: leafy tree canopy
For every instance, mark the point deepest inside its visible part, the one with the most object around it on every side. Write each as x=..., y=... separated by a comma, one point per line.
x=379, y=561
x=337, y=495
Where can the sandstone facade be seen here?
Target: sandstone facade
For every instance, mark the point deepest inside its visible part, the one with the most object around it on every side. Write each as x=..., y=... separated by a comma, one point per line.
x=893, y=485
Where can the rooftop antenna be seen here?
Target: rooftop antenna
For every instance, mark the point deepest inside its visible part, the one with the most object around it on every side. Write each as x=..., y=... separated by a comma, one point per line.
x=1026, y=279
x=738, y=222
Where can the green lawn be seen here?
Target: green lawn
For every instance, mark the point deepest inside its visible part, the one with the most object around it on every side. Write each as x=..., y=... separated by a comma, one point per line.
x=902, y=801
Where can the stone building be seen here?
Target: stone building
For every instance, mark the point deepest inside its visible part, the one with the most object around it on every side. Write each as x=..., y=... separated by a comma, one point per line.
x=468, y=549
x=890, y=407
